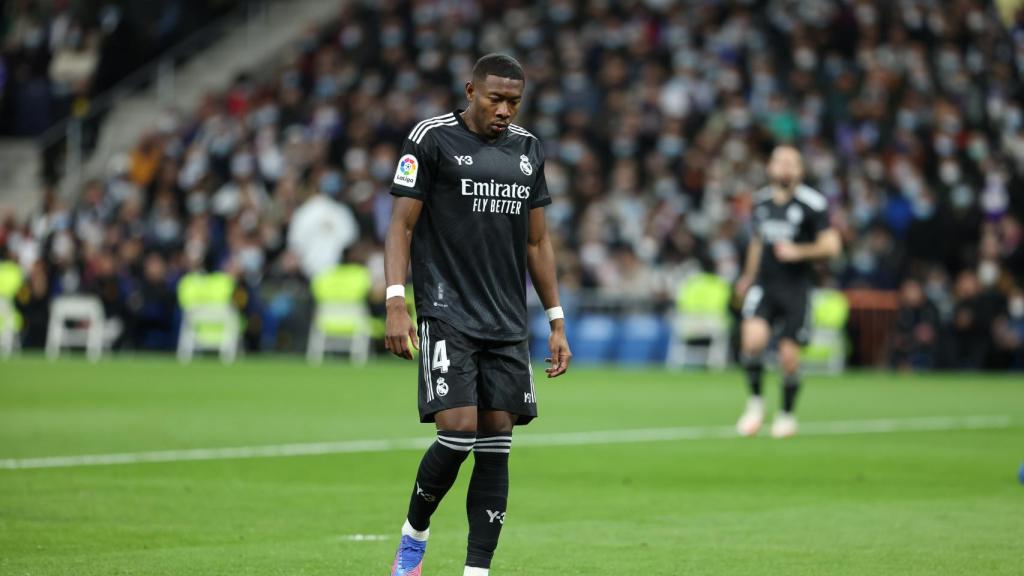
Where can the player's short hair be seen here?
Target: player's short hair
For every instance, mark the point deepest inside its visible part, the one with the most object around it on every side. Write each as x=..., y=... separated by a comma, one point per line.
x=501, y=65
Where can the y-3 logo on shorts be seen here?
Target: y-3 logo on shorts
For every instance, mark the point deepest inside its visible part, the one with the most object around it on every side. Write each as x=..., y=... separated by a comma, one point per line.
x=499, y=516
x=528, y=398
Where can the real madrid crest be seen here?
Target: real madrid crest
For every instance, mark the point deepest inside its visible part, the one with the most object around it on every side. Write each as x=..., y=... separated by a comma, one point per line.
x=525, y=166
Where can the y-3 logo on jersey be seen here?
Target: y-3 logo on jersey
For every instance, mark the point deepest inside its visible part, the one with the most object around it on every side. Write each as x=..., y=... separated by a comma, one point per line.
x=464, y=160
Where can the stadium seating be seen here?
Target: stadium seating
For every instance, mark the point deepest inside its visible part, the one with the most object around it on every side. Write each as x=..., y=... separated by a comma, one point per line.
x=210, y=320
x=700, y=332
x=643, y=339
x=11, y=279
x=89, y=328
x=674, y=193
x=826, y=350
x=342, y=319
x=539, y=331
x=594, y=338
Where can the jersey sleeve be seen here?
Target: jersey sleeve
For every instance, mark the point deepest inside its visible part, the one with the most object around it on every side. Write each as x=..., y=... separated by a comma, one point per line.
x=540, y=197
x=755, y=222
x=414, y=173
x=819, y=221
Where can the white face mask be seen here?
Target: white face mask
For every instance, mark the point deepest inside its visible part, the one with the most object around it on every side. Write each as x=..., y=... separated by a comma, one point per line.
x=1016, y=306
x=988, y=273
x=949, y=172
x=251, y=260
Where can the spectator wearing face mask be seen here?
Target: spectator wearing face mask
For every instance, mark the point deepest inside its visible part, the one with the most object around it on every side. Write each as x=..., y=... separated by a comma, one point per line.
x=1013, y=335
x=33, y=303
x=322, y=227
x=905, y=111
x=152, y=303
x=915, y=341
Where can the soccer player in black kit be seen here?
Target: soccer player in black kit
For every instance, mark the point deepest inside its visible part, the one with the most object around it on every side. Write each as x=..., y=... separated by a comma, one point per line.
x=790, y=231
x=470, y=192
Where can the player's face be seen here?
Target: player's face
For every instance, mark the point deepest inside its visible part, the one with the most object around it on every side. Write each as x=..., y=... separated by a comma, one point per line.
x=786, y=168
x=494, y=103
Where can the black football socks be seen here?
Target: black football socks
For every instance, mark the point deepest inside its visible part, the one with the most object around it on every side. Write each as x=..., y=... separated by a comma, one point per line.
x=438, y=470
x=487, y=497
x=790, y=390
x=754, y=366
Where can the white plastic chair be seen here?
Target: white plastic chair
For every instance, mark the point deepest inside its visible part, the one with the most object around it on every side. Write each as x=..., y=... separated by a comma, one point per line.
x=8, y=329
x=826, y=351
x=342, y=319
x=702, y=313
x=11, y=279
x=209, y=320
x=76, y=308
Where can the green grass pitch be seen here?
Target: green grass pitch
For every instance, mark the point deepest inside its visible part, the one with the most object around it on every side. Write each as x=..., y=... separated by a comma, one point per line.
x=942, y=499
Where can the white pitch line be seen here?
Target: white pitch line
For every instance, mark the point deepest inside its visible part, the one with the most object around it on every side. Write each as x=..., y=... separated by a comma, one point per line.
x=932, y=424
x=364, y=538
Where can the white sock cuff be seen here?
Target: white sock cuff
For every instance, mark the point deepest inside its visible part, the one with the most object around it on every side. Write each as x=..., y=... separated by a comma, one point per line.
x=494, y=443
x=408, y=530
x=472, y=571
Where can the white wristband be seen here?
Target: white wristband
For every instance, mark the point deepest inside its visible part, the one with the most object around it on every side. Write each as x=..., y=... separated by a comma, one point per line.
x=554, y=313
x=395, y=291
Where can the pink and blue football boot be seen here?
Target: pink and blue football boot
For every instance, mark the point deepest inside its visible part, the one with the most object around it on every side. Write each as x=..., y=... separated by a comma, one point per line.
x=409, y=558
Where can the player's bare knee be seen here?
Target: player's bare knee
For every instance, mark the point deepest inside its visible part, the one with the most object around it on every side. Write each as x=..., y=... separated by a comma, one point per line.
x=496, y=422
x=755, y=337
x=753, y=349
x=457, y=419
x=789, y=357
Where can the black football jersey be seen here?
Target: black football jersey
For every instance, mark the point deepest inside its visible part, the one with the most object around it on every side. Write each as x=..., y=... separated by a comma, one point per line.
x=798, y=221
x=469, y=245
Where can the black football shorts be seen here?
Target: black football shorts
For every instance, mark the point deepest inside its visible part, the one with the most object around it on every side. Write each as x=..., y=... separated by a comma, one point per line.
x=458, y=370
x=787, y=310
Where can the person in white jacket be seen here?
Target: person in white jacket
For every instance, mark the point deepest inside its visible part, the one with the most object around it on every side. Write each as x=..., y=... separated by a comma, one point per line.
x=322, y=227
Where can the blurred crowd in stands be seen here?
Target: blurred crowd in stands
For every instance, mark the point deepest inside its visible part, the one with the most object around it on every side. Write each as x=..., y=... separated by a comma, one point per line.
x=56, y=55
x=656, y=117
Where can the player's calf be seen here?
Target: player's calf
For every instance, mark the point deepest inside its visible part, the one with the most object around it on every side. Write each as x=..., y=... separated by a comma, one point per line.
x=785, y=425
x=486, y=500
x=753, y=365
x=437, y=473
x=753, y=415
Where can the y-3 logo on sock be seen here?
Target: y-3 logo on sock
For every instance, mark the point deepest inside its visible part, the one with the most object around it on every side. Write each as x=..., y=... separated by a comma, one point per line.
x=499, y=516
x=424, y=495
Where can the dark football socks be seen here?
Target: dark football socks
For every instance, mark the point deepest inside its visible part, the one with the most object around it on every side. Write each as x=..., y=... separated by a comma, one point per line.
x=755, y=373
x=790, y=390
x=438, y=470
x=487, y=497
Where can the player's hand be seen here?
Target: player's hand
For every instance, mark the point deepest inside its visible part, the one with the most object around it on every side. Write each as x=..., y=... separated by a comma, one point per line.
x=399, y=331
x=560, y=354
x=787, y=252
x=740, y=291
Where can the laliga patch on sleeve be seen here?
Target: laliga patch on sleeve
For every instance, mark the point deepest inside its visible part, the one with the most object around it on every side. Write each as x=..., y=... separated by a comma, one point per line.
x=405, y=174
